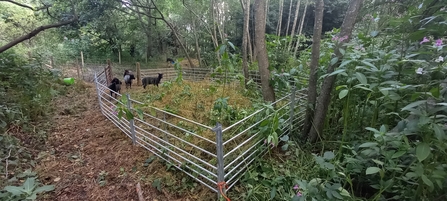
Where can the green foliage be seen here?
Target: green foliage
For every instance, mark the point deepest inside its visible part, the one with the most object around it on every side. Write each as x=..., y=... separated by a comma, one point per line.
x=27, y=191
x=123, y=111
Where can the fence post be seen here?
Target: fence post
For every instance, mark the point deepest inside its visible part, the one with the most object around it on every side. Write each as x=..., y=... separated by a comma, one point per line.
x=220, y=160
x=165, y=136
x=138, y=74
x=131, y=122
x=98, y=94
x=292, y=107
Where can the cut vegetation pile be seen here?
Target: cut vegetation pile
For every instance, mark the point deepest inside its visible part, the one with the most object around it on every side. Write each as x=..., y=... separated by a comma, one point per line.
x=191, y=100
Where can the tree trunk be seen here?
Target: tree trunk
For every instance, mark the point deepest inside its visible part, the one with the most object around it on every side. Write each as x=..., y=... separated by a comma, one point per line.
x=267, y=90
x=301, y=28
x=196, y=38
x=328, y=84
x=213, y=16
x=278, y=28
x=294, y=24
x=246, y=9
x=266, y=10
x=288, y=19
x=313, y=78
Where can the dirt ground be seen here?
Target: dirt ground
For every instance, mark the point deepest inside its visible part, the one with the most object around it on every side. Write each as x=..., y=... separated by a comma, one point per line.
x=88, y=158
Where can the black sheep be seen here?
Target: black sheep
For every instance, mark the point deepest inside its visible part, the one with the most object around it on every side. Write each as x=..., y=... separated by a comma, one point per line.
x=115, y=87
x=170, y=60
x=128, y=77
x=152, y=80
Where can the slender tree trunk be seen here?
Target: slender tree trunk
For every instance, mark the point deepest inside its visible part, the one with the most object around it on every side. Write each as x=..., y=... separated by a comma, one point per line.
x=312, y=90
x=245, y=37
x=253, y=24
x=213, y=16
x=249, y=41
x=266, y=10
x=196, y=38
x=301, y=28
x=328, y=84
x=281, y=8
x=294, y=24
x=267, y=90
x=288, y=19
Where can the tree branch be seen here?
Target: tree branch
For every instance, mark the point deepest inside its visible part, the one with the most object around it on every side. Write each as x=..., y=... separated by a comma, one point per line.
x=27, y=6
x=35, y=32
x=19, y=4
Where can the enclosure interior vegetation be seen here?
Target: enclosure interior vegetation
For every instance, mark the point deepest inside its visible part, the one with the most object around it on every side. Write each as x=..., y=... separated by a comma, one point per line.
x=259, y=100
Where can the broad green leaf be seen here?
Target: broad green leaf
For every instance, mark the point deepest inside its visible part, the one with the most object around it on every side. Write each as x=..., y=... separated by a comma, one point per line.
x=362, y=79
x=344, y=63
x=435, y=92
x=369, y=64
x=377, y=162
x=414, y=104
x=372, y=170
x=272, y=193
x=231, y=45
x=382, y=129
x=334, y=60
x=364, y=88
x=422, y=151
x=14, y=190
x=374, y=33
x=427, y=181
x=344, y=192
x=368, y=144
x=342, y=51
x=337, y=72
x=32, y=197
x=341, y=86
x=372, y=129
x=398, y=154
x=29, y=184
x=329, y=155
x=45, y=188
x=439, y=132
x=337, y=195
x=343, y=93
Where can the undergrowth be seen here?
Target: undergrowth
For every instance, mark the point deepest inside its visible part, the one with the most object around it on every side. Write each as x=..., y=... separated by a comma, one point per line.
x=26, y=90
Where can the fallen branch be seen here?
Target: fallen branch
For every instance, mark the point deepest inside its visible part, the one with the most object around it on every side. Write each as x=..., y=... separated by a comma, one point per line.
x=6, y=166
x=140, y=193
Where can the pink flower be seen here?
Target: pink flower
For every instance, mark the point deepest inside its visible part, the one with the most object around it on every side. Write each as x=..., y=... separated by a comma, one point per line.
x=335, y=38
x=299, y=194
x=296, y=187
x=438, y=42
x=424, y=40
x=343, y=38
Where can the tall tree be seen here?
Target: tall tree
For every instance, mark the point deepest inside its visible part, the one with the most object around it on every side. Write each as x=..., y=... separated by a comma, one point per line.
x=301, y=28
x=312, y=89
x=288, y=18
x=324, y=98
x=294, y=24
x=281, y=9
x=267, y=90
x=246, y=8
